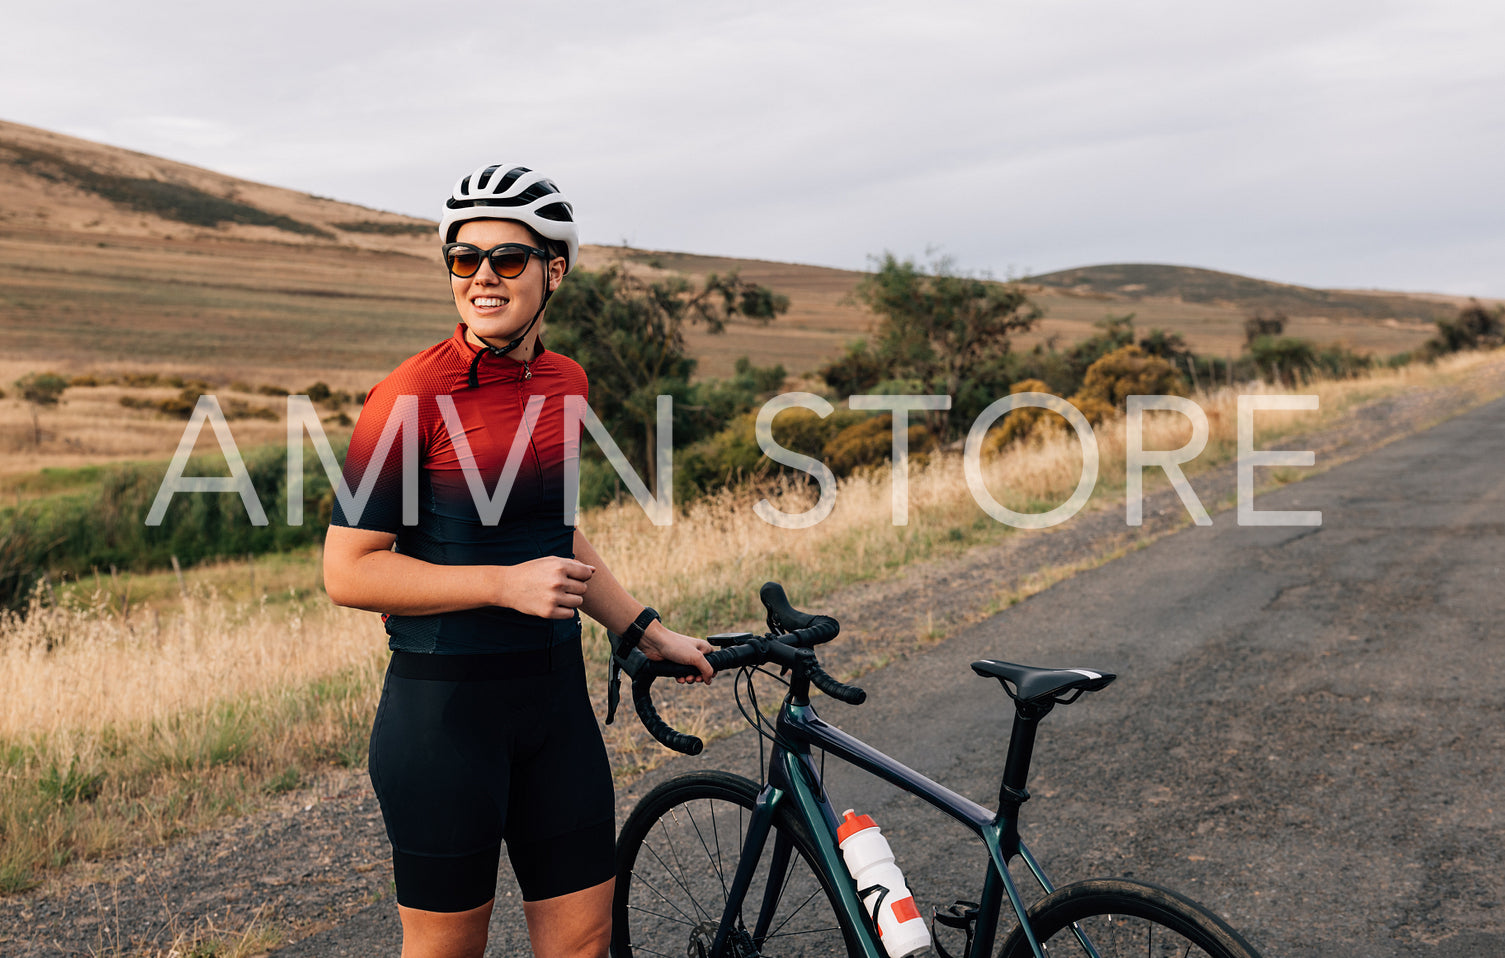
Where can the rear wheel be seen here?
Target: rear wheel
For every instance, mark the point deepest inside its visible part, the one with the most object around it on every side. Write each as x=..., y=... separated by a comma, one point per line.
x=676, y=857
x=1125, y=918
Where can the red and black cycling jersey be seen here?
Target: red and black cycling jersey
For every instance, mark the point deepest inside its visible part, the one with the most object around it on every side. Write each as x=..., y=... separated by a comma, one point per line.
x=490, y=480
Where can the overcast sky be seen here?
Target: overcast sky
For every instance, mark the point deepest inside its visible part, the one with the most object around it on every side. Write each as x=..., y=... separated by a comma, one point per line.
x=1329, y=143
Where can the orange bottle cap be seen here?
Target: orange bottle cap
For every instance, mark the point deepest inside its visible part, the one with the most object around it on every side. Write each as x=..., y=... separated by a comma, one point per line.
x=852, y=824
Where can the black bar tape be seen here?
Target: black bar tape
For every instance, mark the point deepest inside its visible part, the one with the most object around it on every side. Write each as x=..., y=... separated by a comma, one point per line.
x=850, y=694
x=642, y=701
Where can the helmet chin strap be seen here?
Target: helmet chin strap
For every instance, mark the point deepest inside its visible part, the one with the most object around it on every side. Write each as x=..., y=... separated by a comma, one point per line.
x=496, y=350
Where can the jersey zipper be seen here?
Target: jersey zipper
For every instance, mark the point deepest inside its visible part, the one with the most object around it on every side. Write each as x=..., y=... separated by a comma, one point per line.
x=522, y=406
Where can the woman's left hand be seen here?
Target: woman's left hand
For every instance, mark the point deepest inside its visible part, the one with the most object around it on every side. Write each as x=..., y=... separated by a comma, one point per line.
x=662, y=644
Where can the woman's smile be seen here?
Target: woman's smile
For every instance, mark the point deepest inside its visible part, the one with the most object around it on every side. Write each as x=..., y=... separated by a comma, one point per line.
x=494, y=308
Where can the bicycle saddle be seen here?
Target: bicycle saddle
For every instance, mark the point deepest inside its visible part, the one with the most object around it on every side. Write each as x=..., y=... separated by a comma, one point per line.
x=1032, y=686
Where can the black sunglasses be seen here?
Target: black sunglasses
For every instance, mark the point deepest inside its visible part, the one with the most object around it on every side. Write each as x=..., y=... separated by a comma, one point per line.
x=508, y=260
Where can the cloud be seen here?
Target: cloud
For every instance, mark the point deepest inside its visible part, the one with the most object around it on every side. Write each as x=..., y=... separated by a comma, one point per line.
x=1331, y=144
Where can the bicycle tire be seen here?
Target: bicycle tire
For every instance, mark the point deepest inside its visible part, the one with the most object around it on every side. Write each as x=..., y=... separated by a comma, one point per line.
x=1122, y=918
x=676, y=857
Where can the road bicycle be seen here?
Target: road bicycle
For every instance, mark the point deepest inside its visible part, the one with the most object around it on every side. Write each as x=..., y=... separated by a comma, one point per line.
x=713, y=865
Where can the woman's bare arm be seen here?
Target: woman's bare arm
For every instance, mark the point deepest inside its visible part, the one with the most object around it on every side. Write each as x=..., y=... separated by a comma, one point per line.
x=610, y=604
x=361, y=571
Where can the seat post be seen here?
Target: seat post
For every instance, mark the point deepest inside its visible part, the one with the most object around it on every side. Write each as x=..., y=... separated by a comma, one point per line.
x=1012, y=792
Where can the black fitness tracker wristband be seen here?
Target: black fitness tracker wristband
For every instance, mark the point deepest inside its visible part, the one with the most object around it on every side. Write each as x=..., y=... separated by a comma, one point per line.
x=633, y=634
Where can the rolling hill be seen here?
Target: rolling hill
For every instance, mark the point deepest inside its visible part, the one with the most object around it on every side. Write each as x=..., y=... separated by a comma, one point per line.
x=1140, y=282
x=116, y=259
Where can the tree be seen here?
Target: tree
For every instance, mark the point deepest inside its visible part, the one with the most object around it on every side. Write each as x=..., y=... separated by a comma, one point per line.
x=41, y=389
x=1169, y=346
x=1263, y=323
x=1474, y=328
x=940, y=327
x=629, y=334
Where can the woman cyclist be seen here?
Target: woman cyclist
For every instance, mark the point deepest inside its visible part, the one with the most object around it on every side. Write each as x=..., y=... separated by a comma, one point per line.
x=485, y=733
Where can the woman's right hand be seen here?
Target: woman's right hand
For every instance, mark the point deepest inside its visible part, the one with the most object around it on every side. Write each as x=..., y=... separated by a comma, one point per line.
x=551, y=587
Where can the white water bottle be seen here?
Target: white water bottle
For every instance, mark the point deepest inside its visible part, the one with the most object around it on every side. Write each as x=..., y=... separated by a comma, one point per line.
x=881, y=886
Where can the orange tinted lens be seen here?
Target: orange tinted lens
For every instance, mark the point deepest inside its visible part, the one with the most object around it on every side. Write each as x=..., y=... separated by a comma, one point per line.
x=509, y=263
x=464, y=262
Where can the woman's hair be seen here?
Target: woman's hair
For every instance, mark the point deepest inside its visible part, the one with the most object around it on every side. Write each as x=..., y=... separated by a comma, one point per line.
x=557, y=250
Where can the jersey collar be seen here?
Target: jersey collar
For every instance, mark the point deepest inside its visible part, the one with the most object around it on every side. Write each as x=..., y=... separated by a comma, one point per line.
x=469, y=350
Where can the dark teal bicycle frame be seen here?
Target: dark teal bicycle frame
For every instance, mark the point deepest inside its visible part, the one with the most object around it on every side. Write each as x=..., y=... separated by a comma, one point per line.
x=794, y=780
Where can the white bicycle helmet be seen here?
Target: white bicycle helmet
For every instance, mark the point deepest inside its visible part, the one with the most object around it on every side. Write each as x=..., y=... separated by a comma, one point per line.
x=509, y=191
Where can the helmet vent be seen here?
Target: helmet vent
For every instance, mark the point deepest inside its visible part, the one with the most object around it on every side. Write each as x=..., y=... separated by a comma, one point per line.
x=485, y=177
x=509, y=178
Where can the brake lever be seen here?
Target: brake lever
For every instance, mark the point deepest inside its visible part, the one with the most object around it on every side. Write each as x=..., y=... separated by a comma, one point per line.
x=632, y=665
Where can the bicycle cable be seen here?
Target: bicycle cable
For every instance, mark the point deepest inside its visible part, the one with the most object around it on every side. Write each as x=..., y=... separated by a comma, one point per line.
x=758, y=720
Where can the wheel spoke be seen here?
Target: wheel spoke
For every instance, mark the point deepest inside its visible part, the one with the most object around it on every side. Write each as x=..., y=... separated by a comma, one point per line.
x=682, y=877
x=801, y=907
x=714, y=858
x=639, y=879
x=672, y=847
x=648, y=911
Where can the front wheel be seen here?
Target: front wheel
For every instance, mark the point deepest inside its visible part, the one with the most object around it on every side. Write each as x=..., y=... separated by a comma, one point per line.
x=676, y=857
x=1121, y=918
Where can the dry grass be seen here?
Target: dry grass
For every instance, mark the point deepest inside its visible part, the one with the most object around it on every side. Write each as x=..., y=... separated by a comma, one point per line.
x=84, y=668
x=121, y=727
x=206, y=938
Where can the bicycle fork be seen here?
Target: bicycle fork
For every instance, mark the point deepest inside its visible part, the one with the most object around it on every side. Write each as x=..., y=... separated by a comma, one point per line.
x=810, y=807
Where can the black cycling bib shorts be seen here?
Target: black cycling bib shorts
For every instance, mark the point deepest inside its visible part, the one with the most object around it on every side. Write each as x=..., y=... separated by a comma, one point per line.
x=469, y=751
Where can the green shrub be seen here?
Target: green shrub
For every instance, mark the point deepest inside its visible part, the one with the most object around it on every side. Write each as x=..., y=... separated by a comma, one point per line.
x=181, y=405
x=72, y=786
x=733, y=454
x=173, y=201
x=239, y=409
x=1125, y=372
x=870, y=442
x=1282, y=359
x=386, y=229
x=856, y=371
x=1018, y=423
x=105, y=525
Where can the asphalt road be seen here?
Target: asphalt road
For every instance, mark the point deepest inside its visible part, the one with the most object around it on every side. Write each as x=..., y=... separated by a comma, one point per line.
x=1306, y=734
